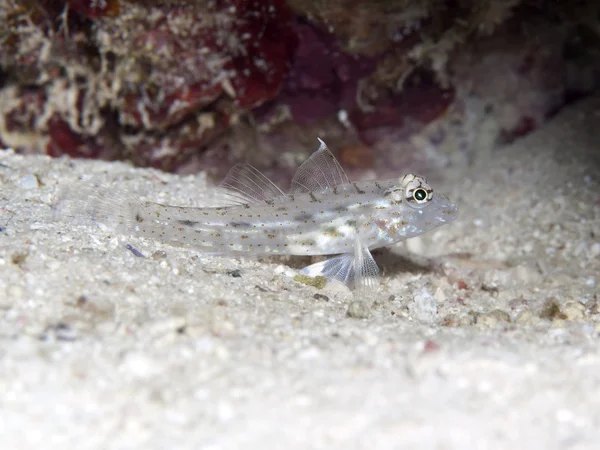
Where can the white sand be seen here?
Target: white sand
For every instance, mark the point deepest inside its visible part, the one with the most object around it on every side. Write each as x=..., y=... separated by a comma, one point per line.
x=103, y=349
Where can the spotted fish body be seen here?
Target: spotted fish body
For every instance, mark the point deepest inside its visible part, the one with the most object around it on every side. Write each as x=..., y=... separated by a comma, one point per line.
x=323, y=214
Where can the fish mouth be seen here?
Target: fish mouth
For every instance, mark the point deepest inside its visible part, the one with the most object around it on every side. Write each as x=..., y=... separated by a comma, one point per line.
x=448, y=210
x=449, y=213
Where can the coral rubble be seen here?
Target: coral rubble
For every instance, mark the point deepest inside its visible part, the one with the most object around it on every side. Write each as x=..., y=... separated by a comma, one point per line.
x=172, y=83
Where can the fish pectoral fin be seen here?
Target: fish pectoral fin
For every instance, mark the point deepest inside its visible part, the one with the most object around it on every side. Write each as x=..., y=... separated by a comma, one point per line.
x=366, y=277
x=340, y=268
x=244, y=184
x=358, y=271
x=319, y=172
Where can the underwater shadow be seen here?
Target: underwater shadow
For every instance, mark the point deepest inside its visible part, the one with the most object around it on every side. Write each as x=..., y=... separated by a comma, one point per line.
x=389, y=262
x=393, y=263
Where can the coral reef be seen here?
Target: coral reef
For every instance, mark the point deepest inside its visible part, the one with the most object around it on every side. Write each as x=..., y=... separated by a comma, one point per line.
x=183, y=85
x=138, y=75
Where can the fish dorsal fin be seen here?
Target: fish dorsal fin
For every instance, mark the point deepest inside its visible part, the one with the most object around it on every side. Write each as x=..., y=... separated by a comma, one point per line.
x=319, y=172
x=245, y=184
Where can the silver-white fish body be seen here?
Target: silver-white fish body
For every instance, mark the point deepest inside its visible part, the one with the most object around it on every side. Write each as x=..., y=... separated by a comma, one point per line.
x=322, y=222
x=324, y=213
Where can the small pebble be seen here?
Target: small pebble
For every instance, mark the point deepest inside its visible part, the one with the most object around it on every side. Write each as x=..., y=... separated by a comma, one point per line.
x=159, y=255
x=317, y=282
x=28, y=181
x=358, y=309
x=424, y=306
x=439, y=295
x=234, y=273
x=47, y=198
x=141, y=366
x=551, y=310
x=19, y=258
x=491, y=319
x=60, y=332
x=451, y=320
x=525, y=317
x=502, y=316
x=574, y=311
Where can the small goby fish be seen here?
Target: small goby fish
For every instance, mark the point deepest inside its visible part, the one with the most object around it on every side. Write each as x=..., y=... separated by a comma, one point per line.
x=323, y=214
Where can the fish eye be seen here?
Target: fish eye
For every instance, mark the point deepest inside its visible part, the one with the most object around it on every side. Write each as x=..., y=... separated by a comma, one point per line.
x=417, y=193
x=420, y=195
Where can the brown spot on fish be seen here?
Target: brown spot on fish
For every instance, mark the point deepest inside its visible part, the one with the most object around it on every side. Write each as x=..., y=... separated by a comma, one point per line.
x=358, y=190
x=303, y=217
x=313, y=198
x=241, y=224
x=332, y=231
x=139, y=218
x=244, y=236
x=187, y=223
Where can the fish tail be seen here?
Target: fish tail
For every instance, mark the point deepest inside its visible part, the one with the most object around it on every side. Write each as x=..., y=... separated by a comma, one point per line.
x=81, y=203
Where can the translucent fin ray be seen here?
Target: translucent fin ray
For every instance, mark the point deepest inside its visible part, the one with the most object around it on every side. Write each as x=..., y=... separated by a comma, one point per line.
x=357, y=270
x=245, y=184
x=366, y=272
x=319, y=172
x=82, y=203
x=339, y=268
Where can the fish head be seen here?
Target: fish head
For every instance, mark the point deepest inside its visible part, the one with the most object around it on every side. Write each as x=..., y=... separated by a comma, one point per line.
x=416, y=208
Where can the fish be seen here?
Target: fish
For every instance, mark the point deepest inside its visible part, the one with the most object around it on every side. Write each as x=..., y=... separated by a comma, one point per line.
x=322, y=214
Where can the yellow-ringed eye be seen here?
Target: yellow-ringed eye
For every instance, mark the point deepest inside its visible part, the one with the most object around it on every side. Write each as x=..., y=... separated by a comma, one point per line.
x=420, y=195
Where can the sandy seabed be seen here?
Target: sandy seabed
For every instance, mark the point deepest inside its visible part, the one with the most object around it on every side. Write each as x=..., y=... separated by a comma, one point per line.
x=485, y=334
